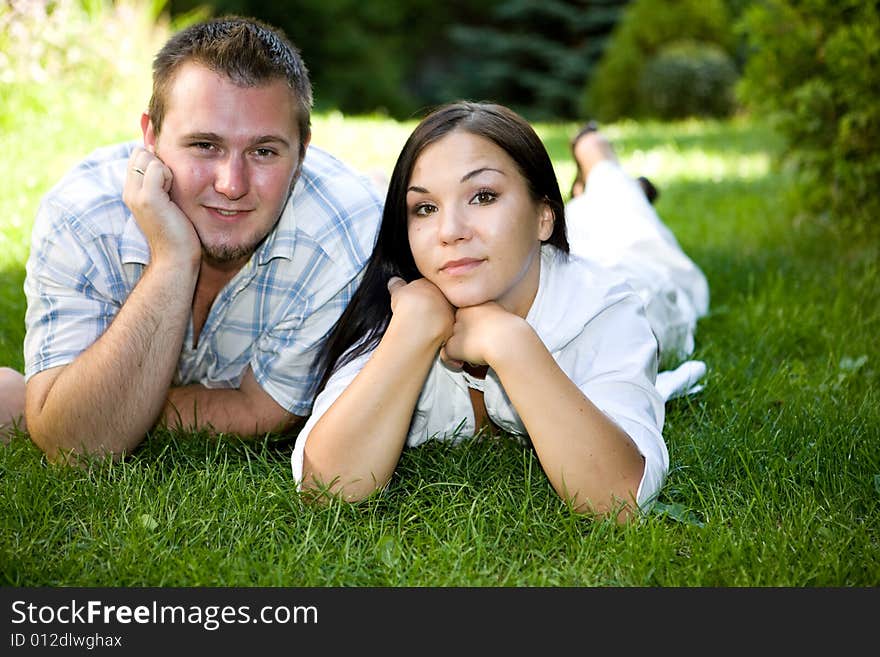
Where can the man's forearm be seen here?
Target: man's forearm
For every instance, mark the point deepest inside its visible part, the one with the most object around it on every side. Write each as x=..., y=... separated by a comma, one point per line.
x=246, y=411
x=110, y=396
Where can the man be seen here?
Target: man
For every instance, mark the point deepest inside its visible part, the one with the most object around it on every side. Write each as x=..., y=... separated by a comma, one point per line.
x=190, y=281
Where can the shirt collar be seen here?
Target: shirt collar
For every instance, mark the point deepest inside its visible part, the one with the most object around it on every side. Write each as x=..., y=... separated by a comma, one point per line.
x=558, y=311
x=281, y=239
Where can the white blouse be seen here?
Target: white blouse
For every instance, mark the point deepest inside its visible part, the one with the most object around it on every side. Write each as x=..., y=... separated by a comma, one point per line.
x=594, y=325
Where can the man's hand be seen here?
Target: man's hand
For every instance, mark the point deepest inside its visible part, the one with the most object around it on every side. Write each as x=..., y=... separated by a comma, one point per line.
x=147, y=194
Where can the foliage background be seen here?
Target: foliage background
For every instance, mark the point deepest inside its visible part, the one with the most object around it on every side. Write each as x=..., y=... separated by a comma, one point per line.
x=397, y=57
x=814, y=71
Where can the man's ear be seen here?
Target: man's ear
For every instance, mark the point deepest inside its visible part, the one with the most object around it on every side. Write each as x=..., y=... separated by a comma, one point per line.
x=150, y=135
x=546, y=221
x=304, y=145
x=301, y=156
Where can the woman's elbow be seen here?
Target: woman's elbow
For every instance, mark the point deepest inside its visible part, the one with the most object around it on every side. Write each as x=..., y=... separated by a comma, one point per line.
x=322, y=484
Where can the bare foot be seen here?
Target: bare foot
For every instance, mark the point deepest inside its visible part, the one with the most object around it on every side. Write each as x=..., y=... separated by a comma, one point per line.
x=588, y=149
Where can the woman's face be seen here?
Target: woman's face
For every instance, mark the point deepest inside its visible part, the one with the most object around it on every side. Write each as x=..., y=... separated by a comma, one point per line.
x=474, y=230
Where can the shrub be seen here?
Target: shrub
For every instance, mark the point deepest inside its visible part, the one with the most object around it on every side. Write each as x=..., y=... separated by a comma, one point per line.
x=646, y=28
x=688, y=78
x=814, y=72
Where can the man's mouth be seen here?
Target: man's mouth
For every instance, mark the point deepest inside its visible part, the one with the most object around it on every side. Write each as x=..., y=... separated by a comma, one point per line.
x=227, y=213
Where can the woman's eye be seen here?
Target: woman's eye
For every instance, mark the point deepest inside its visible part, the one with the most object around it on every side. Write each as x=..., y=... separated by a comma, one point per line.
x=484, y=197
x=423, y=209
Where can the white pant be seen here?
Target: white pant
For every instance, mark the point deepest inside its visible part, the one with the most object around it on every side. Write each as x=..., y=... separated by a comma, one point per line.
x=613, y=223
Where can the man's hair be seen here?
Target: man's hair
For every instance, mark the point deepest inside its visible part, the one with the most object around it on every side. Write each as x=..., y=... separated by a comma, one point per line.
x=247, y=51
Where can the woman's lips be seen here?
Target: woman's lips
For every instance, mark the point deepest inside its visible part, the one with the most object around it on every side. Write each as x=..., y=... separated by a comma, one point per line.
x=461, y=266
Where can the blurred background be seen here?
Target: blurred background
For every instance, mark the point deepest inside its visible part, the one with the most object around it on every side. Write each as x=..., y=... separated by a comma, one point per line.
x=75, y=71
x=549, y=59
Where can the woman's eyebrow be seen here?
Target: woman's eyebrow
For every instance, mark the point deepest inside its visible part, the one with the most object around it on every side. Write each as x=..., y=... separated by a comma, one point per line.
x=464, y=178
x=477, y=172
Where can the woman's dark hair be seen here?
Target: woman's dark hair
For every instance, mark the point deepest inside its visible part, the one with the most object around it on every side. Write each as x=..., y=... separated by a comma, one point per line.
x=365, y=319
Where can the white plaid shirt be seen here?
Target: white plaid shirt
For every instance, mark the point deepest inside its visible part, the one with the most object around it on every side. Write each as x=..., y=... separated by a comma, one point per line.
x=88, y=253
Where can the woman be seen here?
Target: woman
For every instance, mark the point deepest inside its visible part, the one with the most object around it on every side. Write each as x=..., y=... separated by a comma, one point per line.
x=471, y=313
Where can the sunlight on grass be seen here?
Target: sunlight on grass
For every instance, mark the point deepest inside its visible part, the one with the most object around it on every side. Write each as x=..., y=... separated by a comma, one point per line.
x=368, y=143
x=670, y=164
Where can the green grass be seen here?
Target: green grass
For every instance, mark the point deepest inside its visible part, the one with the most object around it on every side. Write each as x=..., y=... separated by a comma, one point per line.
x=775, y=466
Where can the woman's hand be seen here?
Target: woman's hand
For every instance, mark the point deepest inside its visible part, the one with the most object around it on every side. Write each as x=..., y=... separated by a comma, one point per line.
x=422, y=304
x=479, y=332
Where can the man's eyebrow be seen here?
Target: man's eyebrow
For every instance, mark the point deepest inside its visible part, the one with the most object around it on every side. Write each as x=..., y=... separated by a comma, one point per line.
x=267, y=139
x=214, y=137
x=464, y=178
x=201, y=136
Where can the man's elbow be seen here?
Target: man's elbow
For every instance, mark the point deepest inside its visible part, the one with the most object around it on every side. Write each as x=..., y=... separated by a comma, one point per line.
x=50, y=442
x=63, y=440
x=68, y=447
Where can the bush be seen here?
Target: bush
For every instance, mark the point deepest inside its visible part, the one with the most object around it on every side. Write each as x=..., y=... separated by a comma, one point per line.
x=646, y=28
x=814, y=71
x=688, y=78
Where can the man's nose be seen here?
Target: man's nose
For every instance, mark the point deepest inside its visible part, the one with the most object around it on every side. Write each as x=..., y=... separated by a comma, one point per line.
x=231, y=178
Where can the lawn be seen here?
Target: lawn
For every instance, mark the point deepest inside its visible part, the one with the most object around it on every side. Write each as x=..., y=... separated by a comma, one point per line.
x=775, y=465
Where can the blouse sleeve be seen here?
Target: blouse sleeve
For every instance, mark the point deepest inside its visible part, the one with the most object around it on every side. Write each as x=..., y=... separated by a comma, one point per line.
x=615, y=366
x=338, y=382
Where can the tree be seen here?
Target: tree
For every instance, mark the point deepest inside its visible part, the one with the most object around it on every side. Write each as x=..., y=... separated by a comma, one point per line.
x=534, y=55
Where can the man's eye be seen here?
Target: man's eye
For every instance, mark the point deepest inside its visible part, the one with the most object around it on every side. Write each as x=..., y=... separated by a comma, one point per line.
x=264, y=152
x=202, y=145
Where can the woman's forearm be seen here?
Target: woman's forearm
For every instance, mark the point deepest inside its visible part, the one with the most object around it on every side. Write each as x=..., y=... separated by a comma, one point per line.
x=589, y=460
x=354, y=448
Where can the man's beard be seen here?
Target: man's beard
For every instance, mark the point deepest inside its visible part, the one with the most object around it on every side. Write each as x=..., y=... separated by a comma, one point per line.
x=220, y=255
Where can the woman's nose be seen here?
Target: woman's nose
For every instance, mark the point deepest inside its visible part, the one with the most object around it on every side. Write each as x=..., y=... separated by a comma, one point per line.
x=453, y=225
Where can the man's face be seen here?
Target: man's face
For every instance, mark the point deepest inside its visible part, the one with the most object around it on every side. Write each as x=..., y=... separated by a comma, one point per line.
x=234, y=153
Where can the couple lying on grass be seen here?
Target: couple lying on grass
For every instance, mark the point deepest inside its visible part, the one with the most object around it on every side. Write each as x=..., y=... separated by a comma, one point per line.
x=204, y=304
